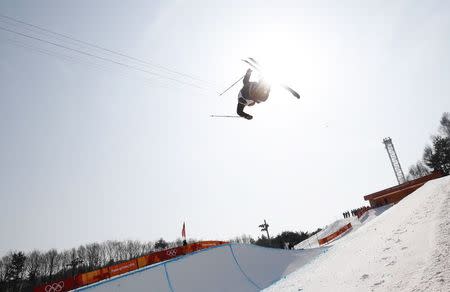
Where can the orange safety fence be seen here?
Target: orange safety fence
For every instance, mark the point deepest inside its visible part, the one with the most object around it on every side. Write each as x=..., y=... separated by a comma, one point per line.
x=91, y=277
x=332, y=236
x=125, y=267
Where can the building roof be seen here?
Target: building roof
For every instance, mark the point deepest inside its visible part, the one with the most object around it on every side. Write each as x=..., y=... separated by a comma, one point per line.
x=412, y=184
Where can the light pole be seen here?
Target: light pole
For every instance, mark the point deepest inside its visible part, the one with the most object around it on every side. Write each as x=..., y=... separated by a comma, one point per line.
x=265, y=227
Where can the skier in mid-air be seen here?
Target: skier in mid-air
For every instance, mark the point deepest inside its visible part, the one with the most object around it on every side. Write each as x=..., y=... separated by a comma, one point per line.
x=251, y=93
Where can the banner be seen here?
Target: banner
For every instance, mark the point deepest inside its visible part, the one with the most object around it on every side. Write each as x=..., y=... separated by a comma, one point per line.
x=91, y=277
x=123, y=268
x=57, y=286
x=335, y=234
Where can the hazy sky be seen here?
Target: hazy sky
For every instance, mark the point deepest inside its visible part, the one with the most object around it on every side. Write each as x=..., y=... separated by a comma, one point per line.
x=92, y=150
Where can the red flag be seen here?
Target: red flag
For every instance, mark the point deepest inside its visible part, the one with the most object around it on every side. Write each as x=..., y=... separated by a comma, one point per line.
x=183, y=231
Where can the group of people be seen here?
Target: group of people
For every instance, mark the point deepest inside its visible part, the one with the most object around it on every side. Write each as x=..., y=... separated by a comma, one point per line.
x=346, y=214
x=356, y=212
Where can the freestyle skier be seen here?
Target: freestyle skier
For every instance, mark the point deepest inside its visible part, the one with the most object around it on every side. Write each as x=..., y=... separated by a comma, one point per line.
x=251, y=93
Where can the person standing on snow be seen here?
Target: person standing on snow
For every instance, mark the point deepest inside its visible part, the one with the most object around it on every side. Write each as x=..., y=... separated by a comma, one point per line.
x=251, y=93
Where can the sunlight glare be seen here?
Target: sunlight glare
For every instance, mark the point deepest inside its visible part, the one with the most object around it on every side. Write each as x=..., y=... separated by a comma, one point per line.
x=275, y=56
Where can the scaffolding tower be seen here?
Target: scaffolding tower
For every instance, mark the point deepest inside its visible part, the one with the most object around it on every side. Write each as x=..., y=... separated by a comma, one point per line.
x=394, y=160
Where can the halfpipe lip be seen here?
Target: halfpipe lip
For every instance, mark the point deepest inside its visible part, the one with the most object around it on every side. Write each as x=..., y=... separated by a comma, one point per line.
x=164, y=263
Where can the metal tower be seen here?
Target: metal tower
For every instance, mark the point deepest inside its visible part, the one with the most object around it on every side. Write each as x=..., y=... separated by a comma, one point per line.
x=394, y=160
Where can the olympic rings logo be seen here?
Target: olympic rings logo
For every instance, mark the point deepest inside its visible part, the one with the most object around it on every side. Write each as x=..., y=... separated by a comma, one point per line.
x=172, y=252
x=55, y=287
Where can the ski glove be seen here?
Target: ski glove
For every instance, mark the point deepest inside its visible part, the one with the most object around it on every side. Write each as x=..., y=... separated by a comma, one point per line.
x=248, y=117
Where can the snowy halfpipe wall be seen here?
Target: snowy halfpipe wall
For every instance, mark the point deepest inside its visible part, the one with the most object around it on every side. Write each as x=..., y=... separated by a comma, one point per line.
x=230, y=267
x=406, y=248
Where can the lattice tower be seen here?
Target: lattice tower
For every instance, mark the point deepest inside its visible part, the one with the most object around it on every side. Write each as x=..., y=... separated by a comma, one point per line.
x=394, y=160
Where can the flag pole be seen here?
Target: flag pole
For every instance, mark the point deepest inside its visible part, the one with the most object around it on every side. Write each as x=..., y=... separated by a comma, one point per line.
x=183, y=234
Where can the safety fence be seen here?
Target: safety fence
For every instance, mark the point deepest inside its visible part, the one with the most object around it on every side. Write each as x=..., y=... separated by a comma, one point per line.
x=333, y=235
x=124, y=267
x=361, y=211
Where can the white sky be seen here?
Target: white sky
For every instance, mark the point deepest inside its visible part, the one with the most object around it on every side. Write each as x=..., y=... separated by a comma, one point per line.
x=93, y=153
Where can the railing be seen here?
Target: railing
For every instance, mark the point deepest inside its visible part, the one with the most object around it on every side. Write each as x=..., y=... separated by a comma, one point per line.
x=333, y=235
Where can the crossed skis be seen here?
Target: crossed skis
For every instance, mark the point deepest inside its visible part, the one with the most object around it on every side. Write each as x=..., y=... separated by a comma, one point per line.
x=255, y=65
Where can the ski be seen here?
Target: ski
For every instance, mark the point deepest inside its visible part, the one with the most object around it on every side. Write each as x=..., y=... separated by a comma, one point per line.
x=224, y=116
x=255, y=65
x=252, y=64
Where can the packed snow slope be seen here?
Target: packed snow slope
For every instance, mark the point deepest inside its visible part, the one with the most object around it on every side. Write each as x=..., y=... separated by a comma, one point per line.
x=406, y=248
x=230, y=267
x=313, y=241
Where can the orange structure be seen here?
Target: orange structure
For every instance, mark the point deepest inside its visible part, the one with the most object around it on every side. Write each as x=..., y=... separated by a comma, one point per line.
x=395, y=194
x=333, y=235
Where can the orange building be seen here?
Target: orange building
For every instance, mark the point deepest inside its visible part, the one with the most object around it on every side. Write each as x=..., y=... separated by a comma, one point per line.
x=395, y=194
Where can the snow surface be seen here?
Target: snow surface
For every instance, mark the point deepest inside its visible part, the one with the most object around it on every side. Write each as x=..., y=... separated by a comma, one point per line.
x=406, y=248
x=230, y=267
x=373, y=213
x=313, y=241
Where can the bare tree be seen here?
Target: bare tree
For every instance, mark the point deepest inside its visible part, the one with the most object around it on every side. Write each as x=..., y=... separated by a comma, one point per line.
x=146, y=248
x=104, y=257
x=418, y=170
x=50, y=262
x=3, y=262
x=93, y=255
x=246, y=239
x=116, y=250
x=34, y=265
x=111, y=251
x=59, y=263
x=82, y=254
x=66, y=259
x=133, y=248
x=75, y=261
x=121, y=250
x=73, y=254
x=7, y=260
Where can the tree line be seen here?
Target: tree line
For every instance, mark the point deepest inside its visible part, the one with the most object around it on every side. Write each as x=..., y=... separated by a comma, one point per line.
x=21, y=271
x=436, y=156
x=285, y=238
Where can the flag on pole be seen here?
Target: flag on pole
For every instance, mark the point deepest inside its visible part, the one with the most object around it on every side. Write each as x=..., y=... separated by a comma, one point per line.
x=183, y=231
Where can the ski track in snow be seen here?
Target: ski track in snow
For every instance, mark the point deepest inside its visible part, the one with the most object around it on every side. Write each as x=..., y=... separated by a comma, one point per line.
x=436, y=276
x=333, y=227
x=407, y=248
